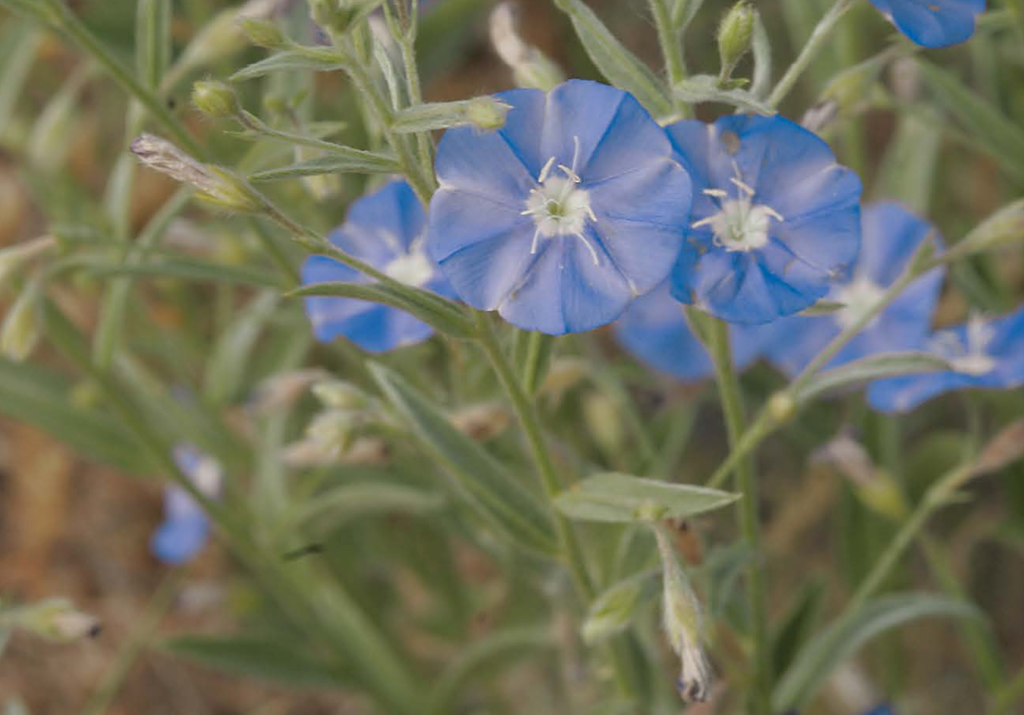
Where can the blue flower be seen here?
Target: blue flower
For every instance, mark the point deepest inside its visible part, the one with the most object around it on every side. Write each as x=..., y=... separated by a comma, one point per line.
x=983, y=353
x=775, y=219
x=185, y=527
x=932, y=23
x=385, y=229
x=562, y=217
x=890, y=235
x=655, y=330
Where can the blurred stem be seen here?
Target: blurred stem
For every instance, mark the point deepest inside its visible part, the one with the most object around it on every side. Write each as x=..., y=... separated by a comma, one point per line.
x=68, y=23
x=671, y=46
x=407, y=45
x=526, y=413
x=983, y=650
x=538, y=350
x=815, y=43
x=1007, y=696
x=144, y=630
x=746, y=483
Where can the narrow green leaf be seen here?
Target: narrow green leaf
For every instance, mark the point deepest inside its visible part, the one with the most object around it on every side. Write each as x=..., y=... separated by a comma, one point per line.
x=617, y=606
x=347, y=501
x=843, y=639
x=482, y=480
x=1001, y=137
x=683, y=12
x=256, y=658
x=350, y=161
x=225, y=368
x=152, y=40
x=704, y=88
x=18, y=43
x=623, y=498
x=796, y=625
x=871, y=368
x=318, y=60
x=483, y=656
x=41, y=397
x=619, y=66
x=191, y=270
x=442, y=314
x=908, y=170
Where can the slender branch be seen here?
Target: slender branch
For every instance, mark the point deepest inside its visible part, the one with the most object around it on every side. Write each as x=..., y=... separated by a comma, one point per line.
x=669, y=38
x=820, y=35
x=746, y=483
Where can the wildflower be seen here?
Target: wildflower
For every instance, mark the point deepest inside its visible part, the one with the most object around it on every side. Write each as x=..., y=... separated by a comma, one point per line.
x=185, y=527
x=562, y=217
x=890, y=236
x=386, y=229
x=655, y=330
x=982, y=353
x=932, y=23
x=775, y=219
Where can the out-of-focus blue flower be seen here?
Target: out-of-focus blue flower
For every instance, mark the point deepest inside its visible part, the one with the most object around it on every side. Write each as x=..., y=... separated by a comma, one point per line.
x=881, y=710
x=185, y=527
x=386, y=229
x=932, y=23
x=775, y=219
x=890, y=235
x=983, y=353
x=655, y=330
x=559, y=219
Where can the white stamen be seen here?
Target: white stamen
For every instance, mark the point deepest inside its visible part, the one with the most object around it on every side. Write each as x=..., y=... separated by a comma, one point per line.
x=715, y=193
x=739, y=184
x=740, y=224
x=543, y=176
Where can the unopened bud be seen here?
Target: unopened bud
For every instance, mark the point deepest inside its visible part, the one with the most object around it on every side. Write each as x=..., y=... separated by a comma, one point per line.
x=333, y=429
x=215, y=99
x=1002, y=228
x=281, y=391
x=735, y=36
x=333, y=16
x=781, y=407
x=486, y=113
x=531, y=68
x=262, y=32
x=340, y=395
x=681, y=619
x=604, y=420
x=58, y=620
x=19, y=333
x=213, y=185
x=563, y=375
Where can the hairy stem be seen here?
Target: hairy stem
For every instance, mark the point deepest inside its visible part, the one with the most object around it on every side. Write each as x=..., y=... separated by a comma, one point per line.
x=815, y=43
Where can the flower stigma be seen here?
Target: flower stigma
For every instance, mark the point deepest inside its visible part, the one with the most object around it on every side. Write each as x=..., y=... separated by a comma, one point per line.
x=968, y=355
x=558, y=205
x=740, y=224
x=858, y=297
x=411, y=266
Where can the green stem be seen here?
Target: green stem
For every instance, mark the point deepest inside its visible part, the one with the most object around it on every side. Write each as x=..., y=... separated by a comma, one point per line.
x=820, y=35
x=669, y=39
x=67, y=22
x=746, y=483
x=552, y=484
x=538, y=348
x=1006, y=698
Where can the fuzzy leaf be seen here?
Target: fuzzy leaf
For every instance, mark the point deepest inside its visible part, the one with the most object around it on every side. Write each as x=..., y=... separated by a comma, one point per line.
x=623, y=498
x=316, y=59
x=338, y=162
x=871, y=368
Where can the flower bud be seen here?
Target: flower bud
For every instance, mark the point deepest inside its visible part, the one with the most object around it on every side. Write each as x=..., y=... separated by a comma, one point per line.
x=213, y=185
x=333, y=429
x=19, y=333
x=215, y=99
x=340, y=395
x=58, y=620
x=486, y=113
x=563, y=375
x=735, y=36
x=681, y=620
x=613, y=610
x=481, y=422
x=262, y=32
x=334, y=17
x=781, y=407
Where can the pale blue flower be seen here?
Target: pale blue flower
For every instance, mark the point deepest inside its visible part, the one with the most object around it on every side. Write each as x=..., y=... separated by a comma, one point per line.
x=775, y=219
x=655, y=330
x=185, y=528
x=890, y=235
x=386, y=229
x=932, y=23
x=983, y=353
x=562, y=217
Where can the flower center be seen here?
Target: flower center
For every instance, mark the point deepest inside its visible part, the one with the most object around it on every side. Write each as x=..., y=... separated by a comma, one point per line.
x=412, y=268
x=740, y=224
x=559, y=206
x=858, y=297
x=969, y=354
